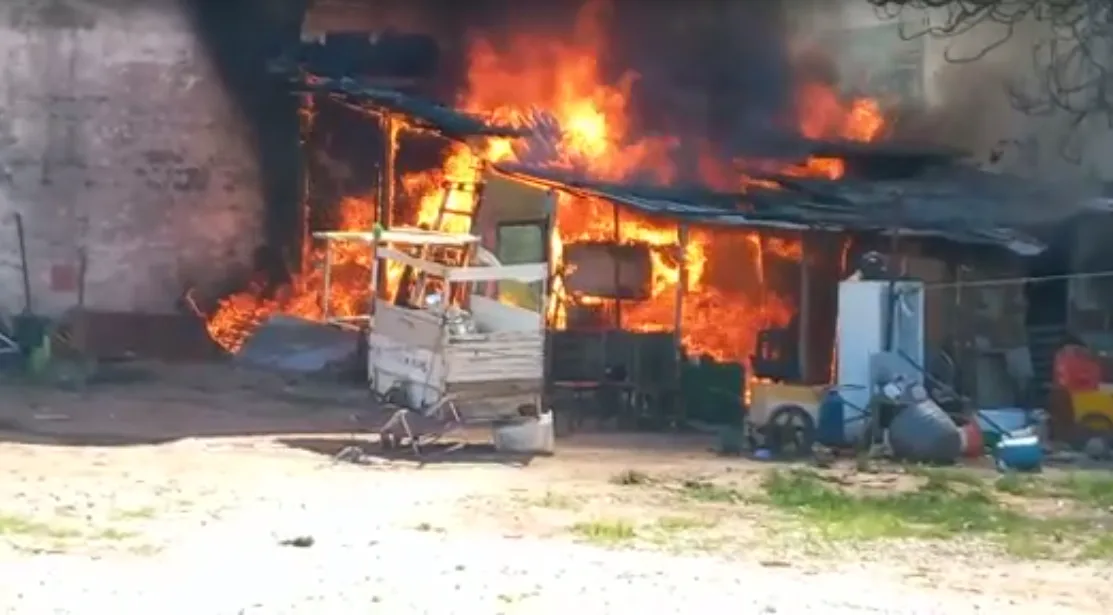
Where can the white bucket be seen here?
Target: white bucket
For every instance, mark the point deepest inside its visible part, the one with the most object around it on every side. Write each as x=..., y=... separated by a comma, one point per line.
x=531, y=436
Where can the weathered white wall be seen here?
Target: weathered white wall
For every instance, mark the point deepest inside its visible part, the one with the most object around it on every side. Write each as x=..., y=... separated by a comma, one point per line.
x=969, y=103
x=116, y=135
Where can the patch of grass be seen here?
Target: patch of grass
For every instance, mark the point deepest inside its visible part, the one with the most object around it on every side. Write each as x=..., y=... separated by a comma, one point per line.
x=1025, y=485
x=145, y=512
x=936, y=510
x=630, y=478
x=27, y=533
x=607, y=532
x=16, y=525
x=111, y=535
x=704, y=491
x=1093, y=489
x=946, y=476
x=1090, y=488
x=1101, y=548
x=557, y=500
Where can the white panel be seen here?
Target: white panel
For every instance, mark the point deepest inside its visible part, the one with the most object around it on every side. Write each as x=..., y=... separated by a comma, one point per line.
x=493, y=316
x=408, y=327
x=860, y=333
x=863, y=315
x=497, y=359
x=390, y=362
x=908, y=332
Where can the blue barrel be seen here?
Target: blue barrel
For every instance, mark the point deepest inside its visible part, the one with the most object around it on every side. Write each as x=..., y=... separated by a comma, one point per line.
x=830, y=428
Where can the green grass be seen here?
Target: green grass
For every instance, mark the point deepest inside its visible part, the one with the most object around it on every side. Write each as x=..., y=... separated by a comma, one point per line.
x=1093, y=489
x=145, y=512
x=947, y=475
x=30, y=532
x=17, y=525
x=939, y=509
x=605, y=532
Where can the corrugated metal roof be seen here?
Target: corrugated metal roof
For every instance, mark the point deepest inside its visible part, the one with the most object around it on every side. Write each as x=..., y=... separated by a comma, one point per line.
x=914, y=208
x=422, y=113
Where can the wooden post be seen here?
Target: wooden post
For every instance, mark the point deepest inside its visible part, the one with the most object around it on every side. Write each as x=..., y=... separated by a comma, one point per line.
x=326, y=285
x=80, y=326
x=681, y=289
x=384, y=215
x=376, y=288
x=675, y=405
x=548, y=297
x=617, y=221
x=306, y=116
x=386, y=171
x=803, y=319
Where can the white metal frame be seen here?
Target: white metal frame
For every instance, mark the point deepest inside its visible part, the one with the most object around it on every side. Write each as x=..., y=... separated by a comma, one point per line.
x=373, y=241
x=444, y=410
x=378, y=245
x=7, y=345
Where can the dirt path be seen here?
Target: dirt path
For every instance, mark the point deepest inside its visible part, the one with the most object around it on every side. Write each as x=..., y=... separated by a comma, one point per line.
x=84, y=523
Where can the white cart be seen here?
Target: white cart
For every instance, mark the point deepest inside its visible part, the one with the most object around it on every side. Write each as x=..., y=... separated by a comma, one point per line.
x=445, y=350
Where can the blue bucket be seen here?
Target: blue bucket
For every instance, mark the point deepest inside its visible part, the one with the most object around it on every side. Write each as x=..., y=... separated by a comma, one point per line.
x=1020, y=453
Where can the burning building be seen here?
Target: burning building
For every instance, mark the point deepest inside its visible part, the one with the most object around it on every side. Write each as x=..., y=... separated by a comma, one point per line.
x=721, y=246
x=691, y=192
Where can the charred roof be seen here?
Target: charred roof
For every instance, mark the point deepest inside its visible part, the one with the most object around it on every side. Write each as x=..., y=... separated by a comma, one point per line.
x=956, y=204
x=419, y=112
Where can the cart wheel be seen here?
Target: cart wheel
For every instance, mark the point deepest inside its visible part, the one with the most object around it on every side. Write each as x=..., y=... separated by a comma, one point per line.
x=791, y=431
x=1092, y=426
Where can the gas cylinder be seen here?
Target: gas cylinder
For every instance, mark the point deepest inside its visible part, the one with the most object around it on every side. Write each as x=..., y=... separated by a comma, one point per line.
x=831, y=421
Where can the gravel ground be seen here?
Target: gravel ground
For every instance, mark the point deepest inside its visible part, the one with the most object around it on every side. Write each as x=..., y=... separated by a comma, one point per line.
x=194, y=525
x=364, y=559
x=413, y=572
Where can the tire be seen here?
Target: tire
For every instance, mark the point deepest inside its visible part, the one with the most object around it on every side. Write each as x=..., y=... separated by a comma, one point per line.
x=924, y=433
x=790, y=431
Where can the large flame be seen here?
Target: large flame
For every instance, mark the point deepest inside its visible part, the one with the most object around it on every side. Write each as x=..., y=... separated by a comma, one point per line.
x=556, y=88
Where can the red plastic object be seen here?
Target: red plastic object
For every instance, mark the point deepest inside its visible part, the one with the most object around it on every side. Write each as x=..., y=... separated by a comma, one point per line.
x=972, y=440
x=1076, y=369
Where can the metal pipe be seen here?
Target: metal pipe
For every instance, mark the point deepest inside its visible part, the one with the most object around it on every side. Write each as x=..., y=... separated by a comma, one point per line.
x=24, y=267
x=966, y=284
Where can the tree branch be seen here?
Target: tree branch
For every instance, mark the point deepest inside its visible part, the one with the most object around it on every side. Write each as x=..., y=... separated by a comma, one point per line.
x=1071, y=62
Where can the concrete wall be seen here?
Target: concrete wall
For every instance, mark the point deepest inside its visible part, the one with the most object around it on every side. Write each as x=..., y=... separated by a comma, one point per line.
x=967, y=104
x=117, y=136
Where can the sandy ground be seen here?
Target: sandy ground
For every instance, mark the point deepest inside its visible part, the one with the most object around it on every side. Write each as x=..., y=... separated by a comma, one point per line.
x=176, y=491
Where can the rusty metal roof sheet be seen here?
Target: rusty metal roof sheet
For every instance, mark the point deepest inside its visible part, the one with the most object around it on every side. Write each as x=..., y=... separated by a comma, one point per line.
x=968, y=214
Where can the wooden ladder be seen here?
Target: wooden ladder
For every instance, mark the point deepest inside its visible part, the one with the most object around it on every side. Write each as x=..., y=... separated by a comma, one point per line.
x=452, y=256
